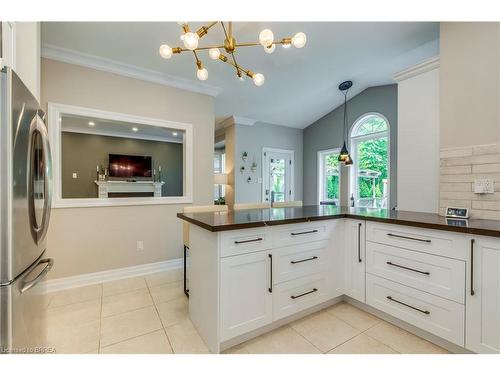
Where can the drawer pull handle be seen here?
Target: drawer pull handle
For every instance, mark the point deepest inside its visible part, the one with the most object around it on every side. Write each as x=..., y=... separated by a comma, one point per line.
x=270, y=289
x=303, y=260
x=472, y=292
x=408, y=268
x=426, y=312
x=304, y=294
x=409, y=238
x=359, y=243
x=246, y=241
x=308, y=232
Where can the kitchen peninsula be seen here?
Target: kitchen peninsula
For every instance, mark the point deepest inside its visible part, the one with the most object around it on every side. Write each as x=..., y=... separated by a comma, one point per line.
x=254, y=270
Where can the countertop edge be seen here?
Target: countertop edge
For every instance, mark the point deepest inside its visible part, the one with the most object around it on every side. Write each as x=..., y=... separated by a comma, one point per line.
x=418, y=224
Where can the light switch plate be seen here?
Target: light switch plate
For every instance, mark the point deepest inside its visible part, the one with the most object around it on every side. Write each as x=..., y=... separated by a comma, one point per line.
x=484, y=186
x=75, y=175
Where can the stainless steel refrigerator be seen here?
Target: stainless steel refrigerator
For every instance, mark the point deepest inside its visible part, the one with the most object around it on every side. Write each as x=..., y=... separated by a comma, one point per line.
x=25, y=202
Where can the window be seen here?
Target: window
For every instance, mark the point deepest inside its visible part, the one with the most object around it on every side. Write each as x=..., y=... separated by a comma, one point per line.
x=329, y=176
x=219, y=167
x=370, y=151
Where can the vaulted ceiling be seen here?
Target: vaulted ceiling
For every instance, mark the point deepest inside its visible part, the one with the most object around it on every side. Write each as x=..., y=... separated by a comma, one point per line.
x=301, y=84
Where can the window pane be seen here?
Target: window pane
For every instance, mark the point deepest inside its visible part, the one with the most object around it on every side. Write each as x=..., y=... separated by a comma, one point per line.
x=372, y=173
x=331, y=175
x=277, y=180
x=372, y=124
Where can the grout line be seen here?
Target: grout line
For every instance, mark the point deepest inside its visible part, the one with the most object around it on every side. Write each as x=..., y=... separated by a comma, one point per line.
x=133, y=337
x=100, y=321
x=159, y=317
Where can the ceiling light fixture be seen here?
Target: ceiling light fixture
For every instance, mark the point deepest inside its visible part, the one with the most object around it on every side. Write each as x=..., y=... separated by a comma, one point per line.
x=91, y=123
x=134, y=129
x=191, y=40
x=344, y=155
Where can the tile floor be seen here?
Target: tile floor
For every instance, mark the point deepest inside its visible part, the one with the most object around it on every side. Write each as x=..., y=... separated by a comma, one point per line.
x=149, y=315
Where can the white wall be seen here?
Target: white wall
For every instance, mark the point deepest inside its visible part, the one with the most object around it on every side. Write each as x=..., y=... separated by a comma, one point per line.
x=85, y=240
x=418, y=138
x=252, y=139
x=21, y=51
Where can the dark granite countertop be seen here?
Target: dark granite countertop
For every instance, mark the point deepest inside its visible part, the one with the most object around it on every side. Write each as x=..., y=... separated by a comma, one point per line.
x=231, y=220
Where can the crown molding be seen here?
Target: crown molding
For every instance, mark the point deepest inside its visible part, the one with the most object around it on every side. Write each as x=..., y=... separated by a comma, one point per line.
x=53, y=52
x=423, y=67
x=233, y=120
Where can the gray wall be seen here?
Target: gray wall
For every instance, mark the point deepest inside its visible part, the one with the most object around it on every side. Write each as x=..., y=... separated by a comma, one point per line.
x=81, y=153
x=327, y=133
x=253, y=139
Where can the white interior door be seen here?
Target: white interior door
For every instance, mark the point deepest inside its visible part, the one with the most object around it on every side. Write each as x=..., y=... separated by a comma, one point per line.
x=277, y=175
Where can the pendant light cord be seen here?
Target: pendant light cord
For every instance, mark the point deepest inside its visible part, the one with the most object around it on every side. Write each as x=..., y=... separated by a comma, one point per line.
x=345, y=115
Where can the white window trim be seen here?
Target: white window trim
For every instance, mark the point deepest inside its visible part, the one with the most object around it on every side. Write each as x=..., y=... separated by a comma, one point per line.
x=55, y=111
x=321, y=173
x=265, y=170
x=353, y=182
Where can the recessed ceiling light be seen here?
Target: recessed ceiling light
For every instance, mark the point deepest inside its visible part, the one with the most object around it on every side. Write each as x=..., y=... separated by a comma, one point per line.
x=134, y=129
x=91, y=123
x=174, y=134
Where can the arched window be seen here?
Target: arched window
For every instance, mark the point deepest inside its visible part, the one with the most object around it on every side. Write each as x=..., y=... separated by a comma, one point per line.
x=369, y=179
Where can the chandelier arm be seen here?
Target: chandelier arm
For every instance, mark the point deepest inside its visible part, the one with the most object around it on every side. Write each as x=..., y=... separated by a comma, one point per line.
x=199, y=48
x=228, y=37
x=283, y=41
x=226, y=60
x=202, y=31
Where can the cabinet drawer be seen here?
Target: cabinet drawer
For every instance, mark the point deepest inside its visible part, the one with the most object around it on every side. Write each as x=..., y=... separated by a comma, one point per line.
x=299, y=294
x=437, y=275
x=245, y=241
x=285, y=235
x=300, y=260
x=439, y=316
x=438, y=242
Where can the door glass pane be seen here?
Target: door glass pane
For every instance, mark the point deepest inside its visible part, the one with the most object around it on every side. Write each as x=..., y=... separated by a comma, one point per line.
x=277, y=180
x=332, y=188
x=372, y=173
x=38, y=177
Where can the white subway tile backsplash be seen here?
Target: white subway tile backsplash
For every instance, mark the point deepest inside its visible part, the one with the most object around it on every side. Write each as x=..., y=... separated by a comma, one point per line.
x=459, y=167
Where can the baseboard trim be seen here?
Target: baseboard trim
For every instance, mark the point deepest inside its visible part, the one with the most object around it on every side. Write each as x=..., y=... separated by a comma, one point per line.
x=111, y=275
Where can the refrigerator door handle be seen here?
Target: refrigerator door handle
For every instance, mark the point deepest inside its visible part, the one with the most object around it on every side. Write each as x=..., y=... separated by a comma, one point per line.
x=39, y=230
x=30, y=284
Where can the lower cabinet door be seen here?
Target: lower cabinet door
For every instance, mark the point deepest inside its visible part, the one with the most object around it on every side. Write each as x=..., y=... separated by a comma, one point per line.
x=354, y=259
x=483, y=296
x=245, y=293
x=442, y=317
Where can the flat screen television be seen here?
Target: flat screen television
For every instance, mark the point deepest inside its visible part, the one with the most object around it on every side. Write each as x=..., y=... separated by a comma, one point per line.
x=130, y=166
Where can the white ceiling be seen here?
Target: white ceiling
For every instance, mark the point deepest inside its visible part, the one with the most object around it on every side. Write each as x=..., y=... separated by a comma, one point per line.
x=301, y=84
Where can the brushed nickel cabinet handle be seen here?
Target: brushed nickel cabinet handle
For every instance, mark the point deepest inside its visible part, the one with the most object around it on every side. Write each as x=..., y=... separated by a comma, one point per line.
x=408, y=268
x=408, y=238
x=303, y=260
x=304, y=294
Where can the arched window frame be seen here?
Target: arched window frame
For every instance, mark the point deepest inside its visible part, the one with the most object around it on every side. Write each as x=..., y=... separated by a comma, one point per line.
x=354, y=139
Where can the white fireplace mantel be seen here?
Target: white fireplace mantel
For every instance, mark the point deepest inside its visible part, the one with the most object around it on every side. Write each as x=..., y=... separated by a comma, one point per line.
x=106, y=187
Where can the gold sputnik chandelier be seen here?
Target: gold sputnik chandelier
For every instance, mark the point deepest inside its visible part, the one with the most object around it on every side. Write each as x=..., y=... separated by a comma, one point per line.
x=191, y=40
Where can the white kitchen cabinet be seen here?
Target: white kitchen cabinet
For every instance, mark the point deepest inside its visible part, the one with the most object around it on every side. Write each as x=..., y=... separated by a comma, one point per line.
x=245, y=293
x=354, y=259
x=483, y=296
x=8, y=44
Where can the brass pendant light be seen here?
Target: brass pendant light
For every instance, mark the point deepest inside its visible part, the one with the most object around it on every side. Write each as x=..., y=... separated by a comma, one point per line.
x=344, y=155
